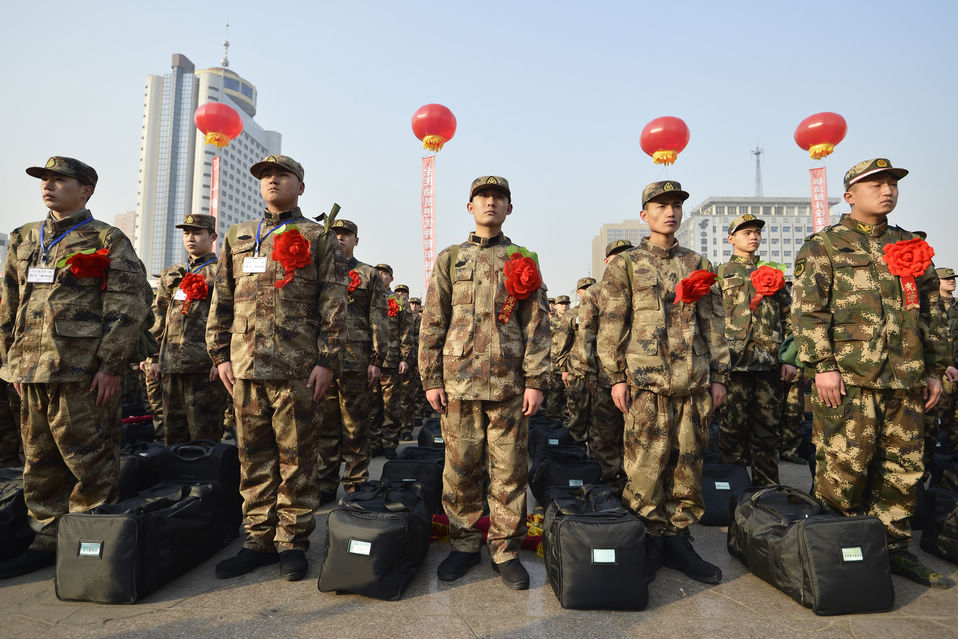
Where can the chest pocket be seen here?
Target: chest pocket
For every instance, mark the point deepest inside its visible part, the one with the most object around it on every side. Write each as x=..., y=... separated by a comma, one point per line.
x=733, y=294
x=462, y=287
x=644, y=295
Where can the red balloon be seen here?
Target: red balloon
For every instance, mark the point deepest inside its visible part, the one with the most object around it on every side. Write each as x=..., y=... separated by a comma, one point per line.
x=664, y=138
x=220, y=122
x=434, y=124
x=818, y=134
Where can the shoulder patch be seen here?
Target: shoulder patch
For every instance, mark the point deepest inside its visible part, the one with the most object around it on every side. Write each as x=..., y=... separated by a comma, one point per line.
x=799, y=267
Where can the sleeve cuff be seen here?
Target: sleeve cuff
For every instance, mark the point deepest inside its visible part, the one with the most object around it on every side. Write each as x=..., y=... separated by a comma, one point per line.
x=719, y=378
x=617, y=378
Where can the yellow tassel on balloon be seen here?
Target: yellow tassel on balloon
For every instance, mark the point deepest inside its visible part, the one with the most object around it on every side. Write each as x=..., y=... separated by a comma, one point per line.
x=664, y=157
x=819, y=151
x=219, y=139
x=433, y=142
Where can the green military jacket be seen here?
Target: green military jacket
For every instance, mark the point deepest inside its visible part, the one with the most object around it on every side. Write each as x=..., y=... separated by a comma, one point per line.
x=564, y=339
x=849, y=315
x=278, y=333
x=182, y=336
x=463, y=347
x=647, y=339
x=400, y=331
x=416, y=327
x=72, y=327
x=754, y=337
x=367, y=334
x=583, y=357
x=555, y=323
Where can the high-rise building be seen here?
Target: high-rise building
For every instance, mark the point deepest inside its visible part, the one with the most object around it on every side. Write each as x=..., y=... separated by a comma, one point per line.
x=126, y=222
x=177, y=166
x=4, y=245
x=632, y=230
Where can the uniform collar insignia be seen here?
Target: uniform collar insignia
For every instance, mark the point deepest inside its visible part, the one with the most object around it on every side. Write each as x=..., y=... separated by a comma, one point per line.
x=352, y=263
x=269, y=216
x=871, y=230
x=199, y=260
x=657, y=250
x=69, y=221
x=738, y=259
x=486, y=241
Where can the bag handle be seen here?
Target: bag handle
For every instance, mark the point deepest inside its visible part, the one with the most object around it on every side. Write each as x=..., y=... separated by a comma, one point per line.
x=793, y=495
x=193, y=451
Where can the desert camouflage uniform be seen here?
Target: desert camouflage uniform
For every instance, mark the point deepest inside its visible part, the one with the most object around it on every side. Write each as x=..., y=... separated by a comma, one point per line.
x=411, y=405
x=385, y=419
x=668, y=354
x=484, y=365
x=10, y=443
x=274, y=337
x=345, y=407
x=554, y=395
x=944, y=416
x=192, y=404
x=848, y=315
x=578, y=399
x=55, y=338
x=753, y=406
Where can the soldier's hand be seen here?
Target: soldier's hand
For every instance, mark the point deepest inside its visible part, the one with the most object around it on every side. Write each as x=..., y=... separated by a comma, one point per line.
x=17, y=386
x=830, y=388
x=214, y=373
x=565, y=378
x=718, y=391
x=154, y=372
x=951, y=374
x=620, y=397
x=105, y=386
x=788, y=372
x=319, y=380
x=373, y=373
x=403, y=368
x=531, y=401
x=437, y=399
x=932, y=392
x=225, y=371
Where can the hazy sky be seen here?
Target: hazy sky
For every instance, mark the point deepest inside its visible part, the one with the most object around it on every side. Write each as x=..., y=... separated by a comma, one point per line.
x=551, y=95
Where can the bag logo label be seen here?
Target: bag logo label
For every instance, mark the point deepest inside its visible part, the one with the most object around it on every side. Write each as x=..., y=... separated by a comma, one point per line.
x=575, y=483
x=553, y=442
x=92, y=549
x=852, y=554
x=722, y=485
x=437, y=440
x=359, y=547
x=409, y=479
x=603, y=555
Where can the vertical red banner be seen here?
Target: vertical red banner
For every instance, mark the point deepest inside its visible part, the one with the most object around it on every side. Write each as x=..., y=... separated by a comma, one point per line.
x=819, y=198
x=428, y=215
x=215, y=195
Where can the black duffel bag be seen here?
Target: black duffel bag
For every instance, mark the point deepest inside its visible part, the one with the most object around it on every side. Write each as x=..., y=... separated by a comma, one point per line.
x=565, y=453
x=138, y=469
x=16, y=535
x=137, y=429
x=118, y=553
x=203, y=460
x=565, y=472
x=832, y=564
x=944, y=470
x=376, y=539
x=545, y=435
x=940, y=535
x=430, y=435
x=427, y=472
x=721, y=484
x=422, y=453
x=594, y=550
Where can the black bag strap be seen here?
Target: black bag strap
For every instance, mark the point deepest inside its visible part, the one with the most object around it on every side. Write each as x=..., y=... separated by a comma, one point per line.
x=795, y=496
x=592, y=499
x=393, y=498
x=195, y=450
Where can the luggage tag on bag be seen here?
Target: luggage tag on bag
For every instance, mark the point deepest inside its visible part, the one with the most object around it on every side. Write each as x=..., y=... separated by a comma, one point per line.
x=575, y=483
x=254, y=265
x=437, y=439
x=180, y=295
x=38, y=275
x=603, y=555
x=359, y=547
x=722, y=485
x=92, y=549
x=853, y=553
x=553, y=442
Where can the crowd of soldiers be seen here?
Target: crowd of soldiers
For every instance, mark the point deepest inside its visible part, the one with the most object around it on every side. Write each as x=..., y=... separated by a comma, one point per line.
x=315, y=363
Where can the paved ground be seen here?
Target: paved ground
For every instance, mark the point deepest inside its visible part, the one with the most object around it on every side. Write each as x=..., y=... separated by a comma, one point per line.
x=263, y=605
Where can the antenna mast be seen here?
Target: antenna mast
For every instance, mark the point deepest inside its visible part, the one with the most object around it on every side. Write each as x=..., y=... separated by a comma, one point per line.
x=757, y=152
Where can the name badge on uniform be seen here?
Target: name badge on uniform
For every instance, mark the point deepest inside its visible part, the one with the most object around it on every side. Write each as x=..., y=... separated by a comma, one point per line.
x=180, y=295
x=40, y=275
x=254, y=265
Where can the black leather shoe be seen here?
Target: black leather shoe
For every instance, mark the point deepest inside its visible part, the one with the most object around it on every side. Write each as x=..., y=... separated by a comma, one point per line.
x=26, y=562
x=246, y=560
x=293, y=564
x=654, y=554
x=513, y=574
x=389, y=453
x=680, y=555
x=456, y=564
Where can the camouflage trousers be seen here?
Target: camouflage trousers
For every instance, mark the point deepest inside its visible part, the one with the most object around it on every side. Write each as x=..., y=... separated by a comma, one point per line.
x=384, y=417
x=868, y=455
x=72, y=451
x=10, y=442
x=554, y=400
x=478, y=434
x=748, y=432
x=579, y=407
x=345, y=433
x=154, y=401
x=943, y=417
x=193, y=407
x=605, y=436
x=411, y=402
x=277, y=427
x=664, y=439
x=793, y=414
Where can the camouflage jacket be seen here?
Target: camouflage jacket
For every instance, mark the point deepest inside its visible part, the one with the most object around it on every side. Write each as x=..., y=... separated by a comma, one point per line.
x=413, y=360
x=278, y=333
x=367, y=332
x=647, y=339
x=73, y=327
x=848, y=312
x=555, y=322
x=753, y=337
x=563, y=340
x=400, y=331
x=583, y=357
x=182, y=337
x=950, y=309
x=463, y=347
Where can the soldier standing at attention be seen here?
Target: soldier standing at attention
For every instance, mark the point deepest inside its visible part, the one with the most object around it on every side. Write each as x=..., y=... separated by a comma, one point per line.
x=757, y=309
x=662, y=343
x=943, y=416
x=410, y=407
x=875, y=343
x=345, y=434
x=484, y=356
x=276, y=332
x=578, y=397
x=555, y=394
x=71, y=315
x=193, y=396
x=402, y=422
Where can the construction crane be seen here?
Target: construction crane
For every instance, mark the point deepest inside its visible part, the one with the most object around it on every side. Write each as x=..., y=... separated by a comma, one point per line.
x=757, y=152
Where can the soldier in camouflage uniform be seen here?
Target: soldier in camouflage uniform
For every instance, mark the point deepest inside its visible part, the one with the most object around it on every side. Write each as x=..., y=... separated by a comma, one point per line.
x=554, y=403
x=70, y=318
x=484, y=358
x=10, y=443
x=276, y=332
x=193, y=395
x=790, y=423
x=753, y=407
x=410, y=406
x=668, y=363
x=877, y=351
x=578, y=397
x=944, y=416
x=345, y=436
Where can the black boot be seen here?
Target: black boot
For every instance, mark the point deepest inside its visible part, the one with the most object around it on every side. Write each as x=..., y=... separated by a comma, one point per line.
x=654, y=554
x=513, y=574
x=246, y=560
x=680, y=555
x=26, y=562
x=456, y=564
x=293, y=564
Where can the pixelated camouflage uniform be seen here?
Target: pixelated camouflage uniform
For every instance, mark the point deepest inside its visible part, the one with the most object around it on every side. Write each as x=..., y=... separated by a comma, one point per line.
x=411, y=405
x=668, y=354
x=848, y=316
x=55, y=338
x=192, y=405
x=484, y=365
x=274, y=337
x=753, y=406
x=793, y=415
x=385, y=419
x=578, y=399
x=944, y=416
x=345, y=434
x=554, y=394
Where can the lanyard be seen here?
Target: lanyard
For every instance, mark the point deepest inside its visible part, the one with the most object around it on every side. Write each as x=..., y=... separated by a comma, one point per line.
x=196, y=268
x=259, y=228
x=46, y=249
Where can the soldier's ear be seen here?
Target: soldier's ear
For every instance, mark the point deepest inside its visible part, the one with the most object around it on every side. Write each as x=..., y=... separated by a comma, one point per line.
x=849, y=198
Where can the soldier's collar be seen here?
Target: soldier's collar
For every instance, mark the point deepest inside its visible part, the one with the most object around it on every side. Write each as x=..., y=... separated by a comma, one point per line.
x=871, y=230
x=657, y=250
x=69, y=221
x=738, y=259
x=276, y=218
x=487, y=241
x=199, y=260
x=352, y=262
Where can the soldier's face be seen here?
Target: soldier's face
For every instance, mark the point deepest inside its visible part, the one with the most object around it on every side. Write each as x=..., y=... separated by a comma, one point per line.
x=746, y=239
x=386, y=278
x=875, y=195
x=62, y=194
x=198, y=241
x=416, y=308
x=280, y=189
x=663, y=214
x=552, y=307
x=947, y=286
x=489, y=207
x=348, y=241
x=561, y=308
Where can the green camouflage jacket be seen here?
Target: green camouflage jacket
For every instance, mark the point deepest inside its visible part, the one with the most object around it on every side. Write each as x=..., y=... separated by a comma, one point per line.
x=400, y=331
x=555, y=323
x=367, y=334
x=463, y=347
x=182, y=337
x=564, y=339
x=848, y=312
x=951, y=312
x=648, y=340
x=278, y=333
x=71, y=328
x=583, y=357
x=416, y=327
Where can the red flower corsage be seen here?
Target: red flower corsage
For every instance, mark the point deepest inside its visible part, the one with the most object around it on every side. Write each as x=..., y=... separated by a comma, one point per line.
x=767, y=280
x=908, y=259
x=694, y=286
x=354, y=281
x=522, y=278
x=195, y=288
x=291, y=249
x=394, y=307
x=89, y=263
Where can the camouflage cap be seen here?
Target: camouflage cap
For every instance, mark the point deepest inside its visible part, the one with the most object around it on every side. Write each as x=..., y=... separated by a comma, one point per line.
x=670, y=187
x=284, y=161
x=493, y=181
x=742, y=220
x=401, y=287
x=617, y=246
x=69, y=167
x=415, y=300
x=196, y=221
x=385, y=267
x=870, y=167
x=345, y=225
x=584, y=282
x=563, y=299
x=552, y=300
x=945, y=273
